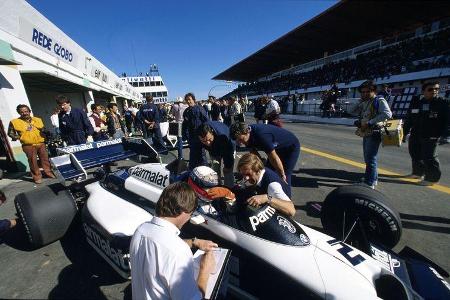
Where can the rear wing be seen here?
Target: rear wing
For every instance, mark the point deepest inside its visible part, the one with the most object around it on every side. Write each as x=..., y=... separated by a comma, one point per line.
x=74, y=160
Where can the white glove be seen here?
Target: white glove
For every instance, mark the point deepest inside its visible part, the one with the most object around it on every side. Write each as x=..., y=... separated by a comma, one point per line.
x=90, y=139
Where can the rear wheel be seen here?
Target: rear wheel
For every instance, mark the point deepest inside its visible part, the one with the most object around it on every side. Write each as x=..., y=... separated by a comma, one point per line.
x=46, y=213
x=358, y=215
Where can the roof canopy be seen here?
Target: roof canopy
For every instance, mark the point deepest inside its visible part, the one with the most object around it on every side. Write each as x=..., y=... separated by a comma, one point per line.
x=343, y=26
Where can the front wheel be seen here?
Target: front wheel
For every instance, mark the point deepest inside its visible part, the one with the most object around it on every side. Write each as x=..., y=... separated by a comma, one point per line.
x=46, y=213
x=359, y=215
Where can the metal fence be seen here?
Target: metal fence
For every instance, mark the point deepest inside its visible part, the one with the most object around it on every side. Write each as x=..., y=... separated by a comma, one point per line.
x=313, y=109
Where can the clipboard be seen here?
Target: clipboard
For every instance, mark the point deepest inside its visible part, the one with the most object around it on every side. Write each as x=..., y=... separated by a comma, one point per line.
x=222, y=256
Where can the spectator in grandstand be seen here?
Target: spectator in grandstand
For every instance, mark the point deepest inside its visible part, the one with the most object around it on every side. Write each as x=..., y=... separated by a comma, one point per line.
x=149, y=114
x=215, y=137
x=73, y=123
x=193, y=117
x=281, y=146
x=97, y=123
x=116, y=125
x=272, y=113
x=162, y=263
x=427, y=121
x=270, y=188
x=431, y=51
x=28, y=130
x=372, y=111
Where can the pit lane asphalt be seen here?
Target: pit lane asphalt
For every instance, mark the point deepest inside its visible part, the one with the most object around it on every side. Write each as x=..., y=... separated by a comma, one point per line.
x=68, y=269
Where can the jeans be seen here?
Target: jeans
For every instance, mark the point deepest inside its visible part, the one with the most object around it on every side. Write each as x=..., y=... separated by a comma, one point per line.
x=370, y=148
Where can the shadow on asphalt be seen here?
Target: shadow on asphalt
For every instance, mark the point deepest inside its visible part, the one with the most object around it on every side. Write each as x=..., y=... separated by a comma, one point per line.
x=88, y=271
x=16, y=238
x=425, y=218
x=312, y=209
x=324, y=177
x=420, y=226
x=407, y=222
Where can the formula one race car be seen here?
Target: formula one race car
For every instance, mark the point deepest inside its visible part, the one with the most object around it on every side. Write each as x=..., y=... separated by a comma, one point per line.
x=273, y=256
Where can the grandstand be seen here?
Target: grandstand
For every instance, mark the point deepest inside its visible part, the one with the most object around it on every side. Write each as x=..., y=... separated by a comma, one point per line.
x=396, y=43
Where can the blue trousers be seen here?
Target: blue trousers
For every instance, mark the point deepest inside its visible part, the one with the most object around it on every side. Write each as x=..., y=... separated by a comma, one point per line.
x=197, y=154
x=289, y=157
x=371, y=144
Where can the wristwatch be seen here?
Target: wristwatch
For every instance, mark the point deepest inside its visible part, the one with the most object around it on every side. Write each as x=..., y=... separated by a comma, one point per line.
x=269, y=199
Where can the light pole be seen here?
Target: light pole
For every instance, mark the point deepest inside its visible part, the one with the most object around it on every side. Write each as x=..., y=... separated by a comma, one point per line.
x=226, y=84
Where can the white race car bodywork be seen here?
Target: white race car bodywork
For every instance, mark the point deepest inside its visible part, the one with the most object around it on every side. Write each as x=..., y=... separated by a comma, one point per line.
x=327, y=267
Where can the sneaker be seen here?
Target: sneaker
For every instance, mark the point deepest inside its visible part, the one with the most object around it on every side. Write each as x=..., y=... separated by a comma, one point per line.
x=38, y=181
x=426, y=183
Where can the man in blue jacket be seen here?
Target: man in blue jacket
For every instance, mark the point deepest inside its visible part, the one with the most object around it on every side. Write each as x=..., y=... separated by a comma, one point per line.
x=193, y=117
x=73, y=123
x=281, y=146
x=149, y=115
x=215, y=137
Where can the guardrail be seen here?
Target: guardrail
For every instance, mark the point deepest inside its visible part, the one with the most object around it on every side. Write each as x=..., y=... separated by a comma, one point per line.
x=313, y=109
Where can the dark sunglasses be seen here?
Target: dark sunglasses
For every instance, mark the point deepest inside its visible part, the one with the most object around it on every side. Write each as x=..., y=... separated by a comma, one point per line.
x=432, y=89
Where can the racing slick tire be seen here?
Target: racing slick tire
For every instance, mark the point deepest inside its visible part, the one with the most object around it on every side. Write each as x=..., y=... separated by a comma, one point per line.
x=379, y=221
x=46, y=213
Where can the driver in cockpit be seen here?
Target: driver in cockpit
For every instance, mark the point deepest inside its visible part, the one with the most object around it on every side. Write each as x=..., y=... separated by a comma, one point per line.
x=269, y=186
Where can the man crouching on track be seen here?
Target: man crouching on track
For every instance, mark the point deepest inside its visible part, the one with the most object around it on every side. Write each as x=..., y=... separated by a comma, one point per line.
x=270, y=188
x=162, y=266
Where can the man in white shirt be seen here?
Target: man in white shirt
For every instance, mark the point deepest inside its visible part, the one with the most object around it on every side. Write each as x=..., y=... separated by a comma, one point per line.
x=272, y=114
x=234, y=110
x=162, y=266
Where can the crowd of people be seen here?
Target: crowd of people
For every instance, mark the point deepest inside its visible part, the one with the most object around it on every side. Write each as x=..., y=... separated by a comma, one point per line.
x=416, y=54
x=161, y=261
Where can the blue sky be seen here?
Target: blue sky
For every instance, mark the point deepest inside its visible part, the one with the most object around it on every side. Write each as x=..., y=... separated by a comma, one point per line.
x=190, y=41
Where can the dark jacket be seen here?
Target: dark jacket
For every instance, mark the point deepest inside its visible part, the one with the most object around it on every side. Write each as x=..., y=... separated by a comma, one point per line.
x=193, y=117
x=427, y=119
x=149, y=112
x=111, y=126
x=75, y=126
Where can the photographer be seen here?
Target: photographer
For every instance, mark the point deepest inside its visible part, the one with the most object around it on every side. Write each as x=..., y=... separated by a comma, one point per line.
x=372, y=111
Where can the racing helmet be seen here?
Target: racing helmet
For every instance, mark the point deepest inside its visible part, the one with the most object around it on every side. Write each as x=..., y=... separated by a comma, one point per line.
x=201, y=179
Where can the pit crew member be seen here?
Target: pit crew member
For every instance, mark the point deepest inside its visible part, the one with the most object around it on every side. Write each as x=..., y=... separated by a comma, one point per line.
x=281, y=146
x=149, y=116
x=73, y=123
x=215, y=137
x=270, y=187
x=193, y=117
